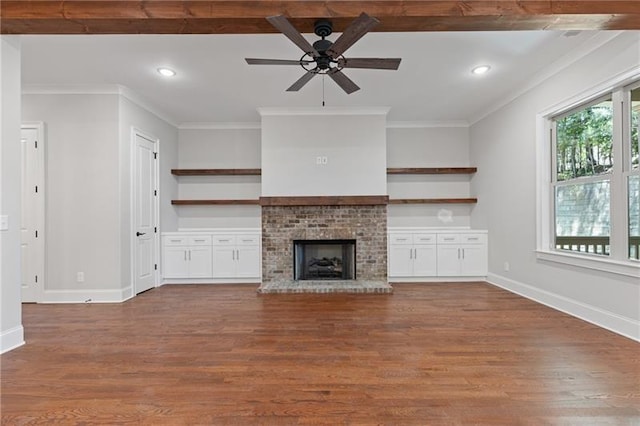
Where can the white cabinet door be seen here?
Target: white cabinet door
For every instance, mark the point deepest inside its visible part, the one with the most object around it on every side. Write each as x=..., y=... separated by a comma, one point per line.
x=175, y=263
x=424, y=261
x=248, y=262
x=473, y=260
x=400, y=262
x=224, y=262
x=200, y=262
x=448, y=261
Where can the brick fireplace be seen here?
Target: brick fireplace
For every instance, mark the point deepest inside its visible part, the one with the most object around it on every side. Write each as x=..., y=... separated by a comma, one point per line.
x=338, y=218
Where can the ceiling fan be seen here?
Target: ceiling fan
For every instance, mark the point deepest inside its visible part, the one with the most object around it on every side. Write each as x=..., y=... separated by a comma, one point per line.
x=326, y=57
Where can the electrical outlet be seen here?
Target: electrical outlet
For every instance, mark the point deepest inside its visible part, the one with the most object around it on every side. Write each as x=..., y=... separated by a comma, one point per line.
x=318, y=160
x=325, y=160
x=506, y=266
x=80, y=277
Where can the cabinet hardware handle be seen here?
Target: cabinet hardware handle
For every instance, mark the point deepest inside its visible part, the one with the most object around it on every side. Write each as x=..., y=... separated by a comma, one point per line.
x=224, y=241
x=189, y=254
x=233, y=255
x=175, y=241
x=185, y=255
x=237, y=254
x=199, y=241
x=458, y=253
x=449, y=239
x=473, y=239
x=463, y=254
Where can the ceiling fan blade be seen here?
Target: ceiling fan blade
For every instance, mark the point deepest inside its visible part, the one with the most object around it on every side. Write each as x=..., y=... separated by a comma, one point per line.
x=285, y=27
x=370, y=63
x=255, y=61
x=343, y=81
x=359, y=27
x=301, y=81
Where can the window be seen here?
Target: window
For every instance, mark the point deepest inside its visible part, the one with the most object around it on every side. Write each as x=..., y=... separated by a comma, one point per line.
x=593, y=178
x=583, y=166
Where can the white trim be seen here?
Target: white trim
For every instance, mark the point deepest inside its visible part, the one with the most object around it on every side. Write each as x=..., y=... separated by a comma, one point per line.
x=87, y=296
x=132, y=191
x=41, y=216
x=239, y=125
x=595, y=42
x=96, y=89
x=627, y=327
x=426, y=124
x=11, y=339
x=595, y=262
x=269, y=111
x=213, y=281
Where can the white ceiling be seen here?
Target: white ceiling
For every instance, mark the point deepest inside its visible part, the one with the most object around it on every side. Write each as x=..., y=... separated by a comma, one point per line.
x=214, y=84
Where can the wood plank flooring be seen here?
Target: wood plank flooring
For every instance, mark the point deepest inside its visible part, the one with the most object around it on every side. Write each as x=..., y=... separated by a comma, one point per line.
x=430, y=354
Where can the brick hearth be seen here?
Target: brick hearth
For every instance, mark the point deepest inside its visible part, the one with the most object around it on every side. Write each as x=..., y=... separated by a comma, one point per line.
x=367, y=224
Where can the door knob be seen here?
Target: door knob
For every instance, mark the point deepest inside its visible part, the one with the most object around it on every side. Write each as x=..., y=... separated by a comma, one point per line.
x=139, y=233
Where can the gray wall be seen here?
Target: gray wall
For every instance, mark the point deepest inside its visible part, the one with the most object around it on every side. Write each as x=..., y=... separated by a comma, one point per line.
x=503, y=146
x=11, y=331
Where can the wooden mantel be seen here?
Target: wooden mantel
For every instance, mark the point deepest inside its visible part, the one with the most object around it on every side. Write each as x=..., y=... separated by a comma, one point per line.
x=247, y=17
x=339, y=200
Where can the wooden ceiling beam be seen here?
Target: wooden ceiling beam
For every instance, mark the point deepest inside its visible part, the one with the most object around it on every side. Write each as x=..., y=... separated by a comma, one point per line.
x=247, y=17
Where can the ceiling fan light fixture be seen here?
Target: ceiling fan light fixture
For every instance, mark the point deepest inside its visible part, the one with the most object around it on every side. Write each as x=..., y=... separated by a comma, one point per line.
x=480, y=69
x=166, y=72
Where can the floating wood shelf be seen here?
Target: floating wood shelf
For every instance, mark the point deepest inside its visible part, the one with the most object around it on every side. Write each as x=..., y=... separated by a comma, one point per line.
x=216, y=172
x=214, y=202
x=433, y=201
x=432, y=171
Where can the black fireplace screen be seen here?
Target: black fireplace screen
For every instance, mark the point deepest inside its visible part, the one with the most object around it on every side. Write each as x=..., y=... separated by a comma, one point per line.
x=324, y=260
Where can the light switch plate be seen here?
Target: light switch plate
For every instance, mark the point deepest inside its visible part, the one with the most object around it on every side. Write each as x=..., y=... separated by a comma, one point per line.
x=4, y=222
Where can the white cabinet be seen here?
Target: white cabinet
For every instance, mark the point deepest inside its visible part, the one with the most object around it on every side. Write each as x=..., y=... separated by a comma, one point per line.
x=186, y=256
x=415, y=255
x=236, y=256
x=412, y=255
x=463, y=255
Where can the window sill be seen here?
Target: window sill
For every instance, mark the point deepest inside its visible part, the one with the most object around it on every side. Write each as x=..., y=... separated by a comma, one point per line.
x=629, y=269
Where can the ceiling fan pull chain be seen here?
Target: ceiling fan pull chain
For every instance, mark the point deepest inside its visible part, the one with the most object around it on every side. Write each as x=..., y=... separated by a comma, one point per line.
x=323, y=76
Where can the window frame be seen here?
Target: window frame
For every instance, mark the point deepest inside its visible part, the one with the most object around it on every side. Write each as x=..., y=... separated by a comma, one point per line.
x=618, y=90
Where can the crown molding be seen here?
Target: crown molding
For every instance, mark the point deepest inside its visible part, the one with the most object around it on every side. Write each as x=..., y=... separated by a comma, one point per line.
x=96, y=89
x=596, y=41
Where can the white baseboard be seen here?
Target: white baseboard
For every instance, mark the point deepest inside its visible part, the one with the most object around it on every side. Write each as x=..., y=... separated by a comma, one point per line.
x=624, y=326
x=400, y=280
x=255, y=281
x=87, y=296
x=11, y=339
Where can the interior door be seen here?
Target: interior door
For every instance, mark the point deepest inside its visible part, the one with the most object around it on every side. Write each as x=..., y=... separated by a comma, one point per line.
x=29, y=226
x=145, y=227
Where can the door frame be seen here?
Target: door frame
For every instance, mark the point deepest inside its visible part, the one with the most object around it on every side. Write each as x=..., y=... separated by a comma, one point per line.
x=132, y=200
x=41, y=216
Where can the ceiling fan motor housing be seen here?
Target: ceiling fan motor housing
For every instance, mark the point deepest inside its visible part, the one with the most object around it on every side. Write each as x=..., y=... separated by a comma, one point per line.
x=323, y=28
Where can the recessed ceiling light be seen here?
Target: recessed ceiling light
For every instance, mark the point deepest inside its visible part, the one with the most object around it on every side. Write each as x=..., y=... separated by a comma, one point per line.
x=167, y=72
x=480, y=69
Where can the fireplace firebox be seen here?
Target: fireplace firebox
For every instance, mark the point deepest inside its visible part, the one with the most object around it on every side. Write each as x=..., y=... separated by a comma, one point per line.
x=324, y=260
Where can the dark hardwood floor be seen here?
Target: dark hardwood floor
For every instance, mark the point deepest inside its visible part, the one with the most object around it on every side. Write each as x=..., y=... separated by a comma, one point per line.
x=430, y=354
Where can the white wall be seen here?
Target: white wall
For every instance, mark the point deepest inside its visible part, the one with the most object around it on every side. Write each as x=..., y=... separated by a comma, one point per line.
x=82, y=191
x=132, y=115
x=354, y=143
x=503, y=148
x=11, y=331
x=216, y=148
x=88, y=180
x=429, y=147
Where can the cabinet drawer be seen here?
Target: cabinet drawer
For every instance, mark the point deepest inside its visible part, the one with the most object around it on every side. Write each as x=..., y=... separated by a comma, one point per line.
x=424, y=238
x=473, y=238
x=398, y=239
x=200, y=240
x=248, y=240
x=224, y=240
x=175, y=241
x=448, y=238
